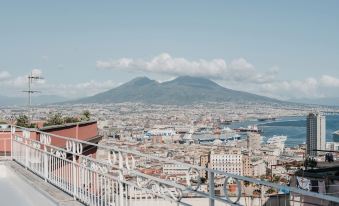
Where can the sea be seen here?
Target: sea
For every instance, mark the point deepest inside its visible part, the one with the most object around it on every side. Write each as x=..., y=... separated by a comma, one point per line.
x=292, y=127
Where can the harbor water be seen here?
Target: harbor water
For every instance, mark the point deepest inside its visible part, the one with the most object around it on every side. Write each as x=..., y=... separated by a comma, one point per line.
x=292, y=127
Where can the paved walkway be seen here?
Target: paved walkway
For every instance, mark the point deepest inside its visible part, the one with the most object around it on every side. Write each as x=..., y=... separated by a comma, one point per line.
x=19, y=186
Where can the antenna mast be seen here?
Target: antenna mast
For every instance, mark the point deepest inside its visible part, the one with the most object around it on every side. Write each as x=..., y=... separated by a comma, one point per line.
x=31, y=78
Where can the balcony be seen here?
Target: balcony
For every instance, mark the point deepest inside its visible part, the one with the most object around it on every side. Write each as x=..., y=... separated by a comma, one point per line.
x=118, y=179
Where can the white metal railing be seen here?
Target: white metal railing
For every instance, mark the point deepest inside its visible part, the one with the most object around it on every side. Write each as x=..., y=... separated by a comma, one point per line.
x=119, y=180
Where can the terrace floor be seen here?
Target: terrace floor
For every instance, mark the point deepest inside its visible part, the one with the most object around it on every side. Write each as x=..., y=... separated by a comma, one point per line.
x=21, y=187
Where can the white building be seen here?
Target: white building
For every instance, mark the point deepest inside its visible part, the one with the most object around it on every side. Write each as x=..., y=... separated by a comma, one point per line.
x=229, y=161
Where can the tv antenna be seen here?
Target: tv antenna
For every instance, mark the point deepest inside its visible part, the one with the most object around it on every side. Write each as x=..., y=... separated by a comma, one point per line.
x=32, y=77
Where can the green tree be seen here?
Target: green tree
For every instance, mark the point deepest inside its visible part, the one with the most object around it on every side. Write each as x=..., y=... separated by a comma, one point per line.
x=55, y=119
x=86, y=115
x=22, y=121
x=71, y=119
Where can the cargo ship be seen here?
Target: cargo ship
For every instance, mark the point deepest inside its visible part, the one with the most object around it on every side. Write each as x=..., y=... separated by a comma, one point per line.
x=250, y=128
x=266, y=119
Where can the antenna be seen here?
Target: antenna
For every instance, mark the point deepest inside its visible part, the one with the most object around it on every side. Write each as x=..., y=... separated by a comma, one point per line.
x=31, y=78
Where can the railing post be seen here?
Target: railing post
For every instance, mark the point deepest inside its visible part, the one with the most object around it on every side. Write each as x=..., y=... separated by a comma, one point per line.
x=262, y=194
x=74, y=171
x=12, y=137
x=5, y=148
x=26, y=151
x=121, y=177
x=211, y=187
x=45, y=161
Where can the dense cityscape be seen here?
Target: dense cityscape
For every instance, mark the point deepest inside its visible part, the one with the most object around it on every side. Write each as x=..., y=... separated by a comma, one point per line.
x=205, y=135
x=169, y=103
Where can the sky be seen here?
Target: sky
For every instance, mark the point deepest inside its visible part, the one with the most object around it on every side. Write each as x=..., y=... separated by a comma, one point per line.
x=287, y=49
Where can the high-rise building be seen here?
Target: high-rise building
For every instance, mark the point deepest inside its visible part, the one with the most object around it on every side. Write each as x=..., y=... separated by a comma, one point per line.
x=315, y=134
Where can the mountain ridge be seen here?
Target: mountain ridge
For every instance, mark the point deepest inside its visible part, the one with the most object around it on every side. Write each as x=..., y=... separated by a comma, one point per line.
x=183, y=90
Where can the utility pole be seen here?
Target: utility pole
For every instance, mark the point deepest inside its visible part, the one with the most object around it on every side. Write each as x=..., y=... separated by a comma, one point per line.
x=29, y=92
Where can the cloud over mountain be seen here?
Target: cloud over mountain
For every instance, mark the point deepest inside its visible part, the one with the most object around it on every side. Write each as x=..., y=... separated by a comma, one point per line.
x=238, y=73
x=237, y=70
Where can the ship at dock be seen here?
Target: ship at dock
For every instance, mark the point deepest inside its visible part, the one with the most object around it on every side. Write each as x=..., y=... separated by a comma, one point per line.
x=266, y=119
x=209, y=135
x=250, y=128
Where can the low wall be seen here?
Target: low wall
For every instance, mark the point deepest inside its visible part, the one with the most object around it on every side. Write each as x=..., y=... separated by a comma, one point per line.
x=83, y=131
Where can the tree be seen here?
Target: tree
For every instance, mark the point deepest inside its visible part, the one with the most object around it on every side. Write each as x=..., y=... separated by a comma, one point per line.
x=55, y=119
x=71, y=119
x=86, y=115
x=22, y=121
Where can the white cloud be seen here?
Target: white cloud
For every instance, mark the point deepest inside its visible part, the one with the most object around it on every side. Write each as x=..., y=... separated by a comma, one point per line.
x=241, y=64
x=164, y=63
x=4, y=75
x=15, y=82
x=37, y=72
x=324, y=86
x=237, y=70
x=309, y=88
x=19, y=81
x=329, y=81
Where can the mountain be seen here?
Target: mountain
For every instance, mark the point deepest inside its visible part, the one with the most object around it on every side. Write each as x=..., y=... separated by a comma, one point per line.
x=183, y=90
x=21, y=101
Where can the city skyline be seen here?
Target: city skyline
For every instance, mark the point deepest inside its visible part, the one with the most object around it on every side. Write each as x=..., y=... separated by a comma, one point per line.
x=267, y=48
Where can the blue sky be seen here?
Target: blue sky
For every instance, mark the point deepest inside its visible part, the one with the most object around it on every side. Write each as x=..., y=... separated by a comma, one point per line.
x=287, y=49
